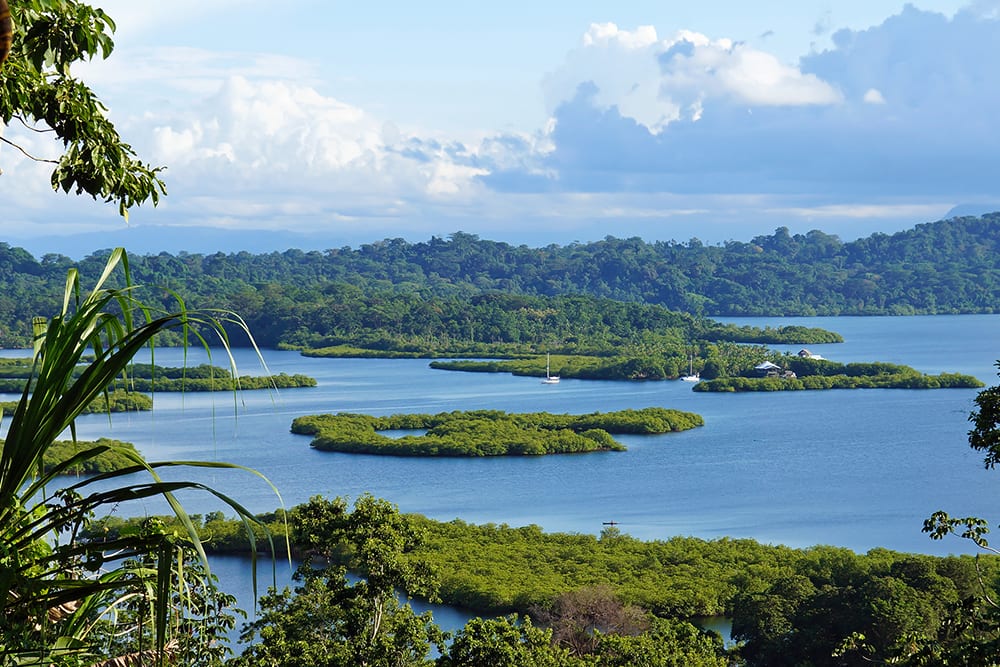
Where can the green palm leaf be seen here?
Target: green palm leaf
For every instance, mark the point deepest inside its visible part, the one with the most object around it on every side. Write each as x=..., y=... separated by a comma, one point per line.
x=78, y=353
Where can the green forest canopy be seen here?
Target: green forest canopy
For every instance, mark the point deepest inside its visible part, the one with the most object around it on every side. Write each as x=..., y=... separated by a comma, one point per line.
x=298, y=297
x=786, y=604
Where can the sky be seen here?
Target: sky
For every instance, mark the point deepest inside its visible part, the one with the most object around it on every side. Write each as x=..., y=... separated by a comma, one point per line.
x=325, y=123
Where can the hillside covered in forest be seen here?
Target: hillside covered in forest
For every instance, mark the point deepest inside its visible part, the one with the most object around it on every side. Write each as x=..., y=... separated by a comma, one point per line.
x=309, y=298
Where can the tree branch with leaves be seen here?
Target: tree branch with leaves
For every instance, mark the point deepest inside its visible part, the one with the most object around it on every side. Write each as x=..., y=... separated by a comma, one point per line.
x=971, y=633
x=39, y=91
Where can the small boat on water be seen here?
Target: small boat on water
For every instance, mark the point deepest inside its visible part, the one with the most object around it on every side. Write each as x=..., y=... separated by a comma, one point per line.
x=549, y=378
x=691, y=376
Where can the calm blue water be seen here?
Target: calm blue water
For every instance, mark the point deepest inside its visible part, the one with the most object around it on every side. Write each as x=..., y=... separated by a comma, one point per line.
x=858, y=468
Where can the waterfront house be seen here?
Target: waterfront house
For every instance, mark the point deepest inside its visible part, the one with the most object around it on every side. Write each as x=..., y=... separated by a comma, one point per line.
x=767, y=368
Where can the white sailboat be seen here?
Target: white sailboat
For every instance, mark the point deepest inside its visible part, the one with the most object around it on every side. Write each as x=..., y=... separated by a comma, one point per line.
x=549, y=378
x=691, y=376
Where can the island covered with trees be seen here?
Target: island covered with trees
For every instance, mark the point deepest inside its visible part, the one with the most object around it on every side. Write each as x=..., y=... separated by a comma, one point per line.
x=115, y=455
x=794, y=373
x=488, y=432
x=113, y=401
x=726, y=367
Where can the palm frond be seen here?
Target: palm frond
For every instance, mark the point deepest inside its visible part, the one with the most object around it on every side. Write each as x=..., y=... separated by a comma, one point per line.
x=44, y=579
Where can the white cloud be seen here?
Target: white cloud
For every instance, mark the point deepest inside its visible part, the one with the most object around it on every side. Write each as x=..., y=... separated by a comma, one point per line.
x=874, y=96
x=697, y=69
x=178, y=147
x=642, y=128
x=658, y=81
x=283, y=136
x=605, y=34
x=623, y=66
x=902, y=109
x=448, y=178
x=988, y=9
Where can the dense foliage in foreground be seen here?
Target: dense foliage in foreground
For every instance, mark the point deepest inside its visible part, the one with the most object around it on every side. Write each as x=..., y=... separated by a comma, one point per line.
x=141, y=595
x=487, y=432
x=818, y=606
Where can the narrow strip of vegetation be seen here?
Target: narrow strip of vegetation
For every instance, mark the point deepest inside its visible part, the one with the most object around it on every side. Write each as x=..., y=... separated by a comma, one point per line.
x=113, y=401
x=578, y=367
x=147, y=378
x=792, y=373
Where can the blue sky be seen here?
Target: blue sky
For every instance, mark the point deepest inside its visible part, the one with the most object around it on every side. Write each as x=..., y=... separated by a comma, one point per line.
x=535, y=122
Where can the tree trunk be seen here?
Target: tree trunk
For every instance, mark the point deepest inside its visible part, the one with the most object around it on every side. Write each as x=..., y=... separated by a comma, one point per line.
x=6, y=31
